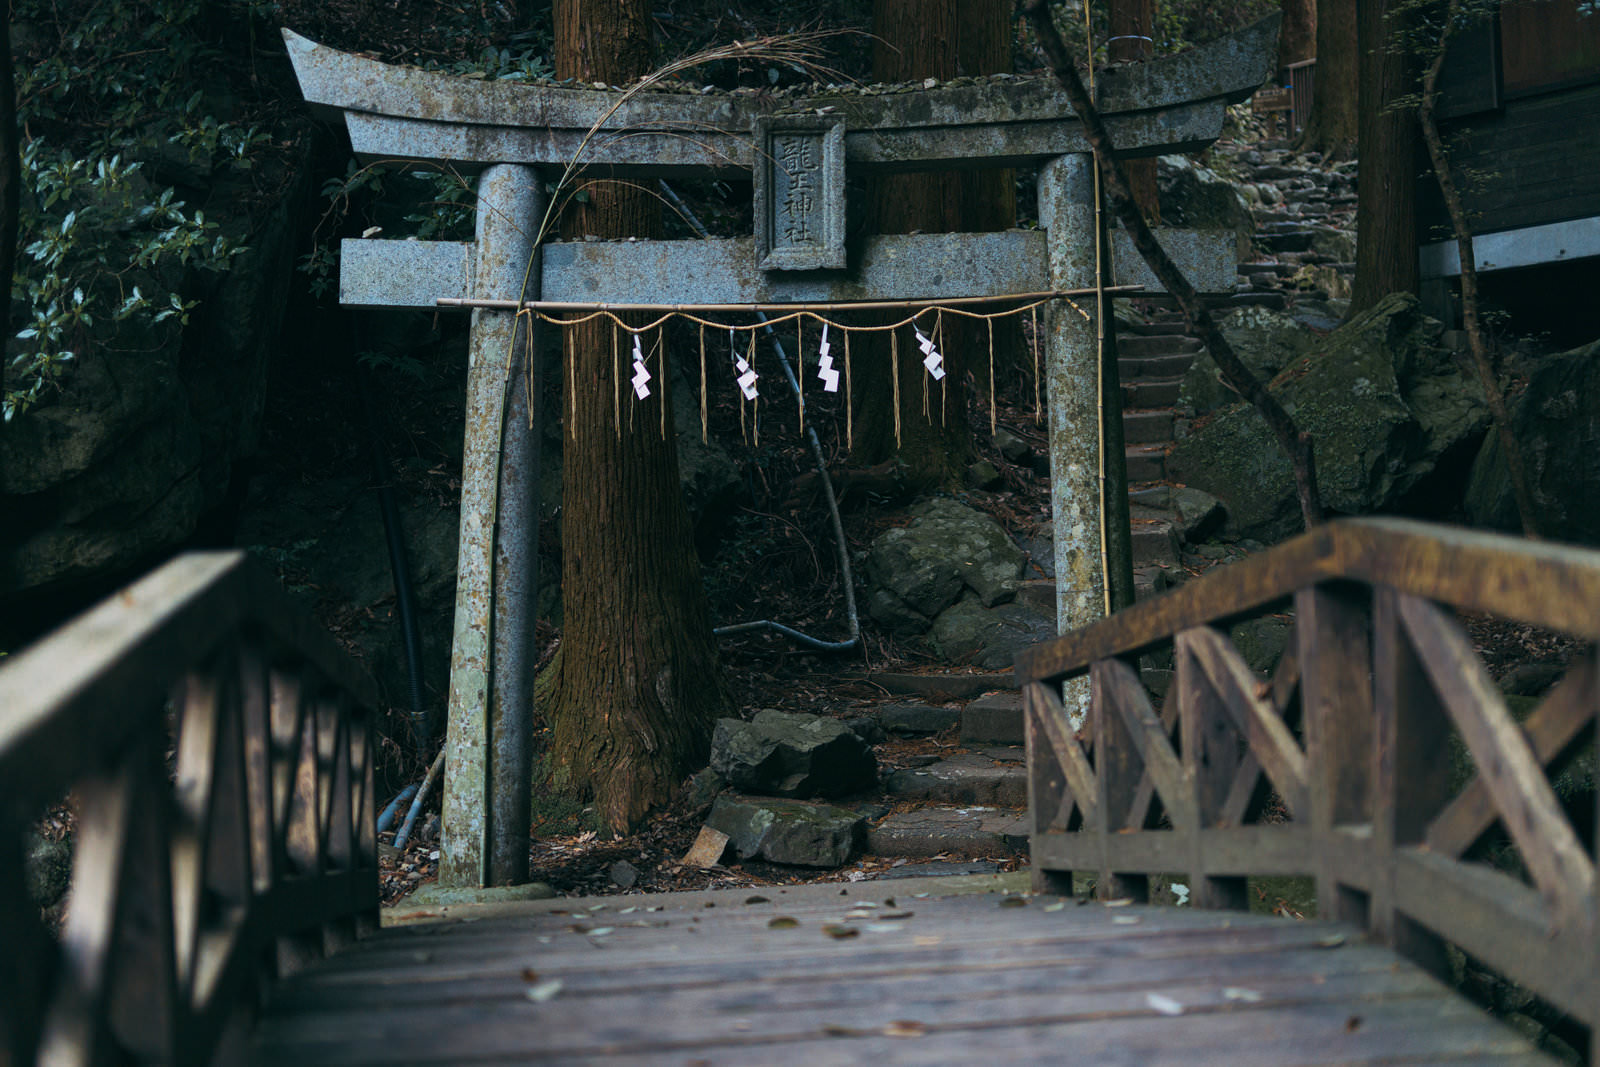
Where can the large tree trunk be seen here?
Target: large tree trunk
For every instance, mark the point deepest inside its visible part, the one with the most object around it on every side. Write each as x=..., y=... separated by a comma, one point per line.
x=1331, y=127
x=942, y=39
x=639, y=687
x=1297, y=40
x=1386, y=205
x=1132, y=41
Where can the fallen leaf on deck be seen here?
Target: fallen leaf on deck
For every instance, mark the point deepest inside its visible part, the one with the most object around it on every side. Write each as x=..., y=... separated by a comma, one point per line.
x=757, y=900
x=891, y=915
x=782, y=922
x=1013, y=902
x=1331, y=941
x=905, y=1028
x=1057, y=906
x=600, y=931
x=543, y=991
x=1120, y=902
x=1249, y=996
x=1165, y=1005
x=840, y=932
x=1125, y=920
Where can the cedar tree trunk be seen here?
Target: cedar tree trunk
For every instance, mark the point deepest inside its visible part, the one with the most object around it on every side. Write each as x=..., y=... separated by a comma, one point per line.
x=1386, y=205
x=1297, y=40
x=942, y=39
x=1132, y=24
x=1331, y=127
x=639, y=687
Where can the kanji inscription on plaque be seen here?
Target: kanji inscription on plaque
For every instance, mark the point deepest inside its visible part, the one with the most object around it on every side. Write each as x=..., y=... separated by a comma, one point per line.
x=799, y=201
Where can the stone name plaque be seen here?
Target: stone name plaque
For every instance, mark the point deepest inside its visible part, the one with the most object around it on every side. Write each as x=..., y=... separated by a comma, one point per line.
x=799, y=194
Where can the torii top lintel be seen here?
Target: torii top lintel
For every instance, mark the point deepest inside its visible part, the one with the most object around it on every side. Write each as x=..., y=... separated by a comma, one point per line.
x=1169, y=105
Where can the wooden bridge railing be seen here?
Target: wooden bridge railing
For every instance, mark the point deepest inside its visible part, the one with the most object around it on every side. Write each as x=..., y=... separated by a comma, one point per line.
x=217, y=749
x=1351, y=738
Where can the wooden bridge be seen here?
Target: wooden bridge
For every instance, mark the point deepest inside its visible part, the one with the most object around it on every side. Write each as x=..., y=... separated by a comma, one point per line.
x=224, y=905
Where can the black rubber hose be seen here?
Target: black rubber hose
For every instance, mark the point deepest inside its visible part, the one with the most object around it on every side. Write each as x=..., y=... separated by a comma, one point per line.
x=400, y=569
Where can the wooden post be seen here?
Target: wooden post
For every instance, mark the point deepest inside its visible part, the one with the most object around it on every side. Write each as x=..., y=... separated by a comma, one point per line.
x=486, y=782
x=1333, y=625
x=1118, y=771
x=1211, y=744
x=1413, y=777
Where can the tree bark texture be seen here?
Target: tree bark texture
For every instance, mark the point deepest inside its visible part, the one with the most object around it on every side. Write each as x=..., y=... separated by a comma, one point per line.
x=1331, y=127
x=1132, y=32
x=942, y=39
x=1296, y=445
x=1483, y=365
x=10, y=179
x=1386, y=204
x=1297, y=40
x=639, y=686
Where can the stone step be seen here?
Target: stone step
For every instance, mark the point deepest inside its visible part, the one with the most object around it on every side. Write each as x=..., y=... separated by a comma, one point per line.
x=1146, y=427
x=943, y=685
x=1134, y=369
x=997, y=777
x=1146, y=463
x=1156, y=345
x=996, y=719
x=915, y=719
x=934, y=831
x=1148, y=581
x=1151, y=393
x=1154, y=543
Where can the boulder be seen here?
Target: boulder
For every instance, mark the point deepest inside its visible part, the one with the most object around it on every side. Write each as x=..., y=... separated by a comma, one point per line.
x=969, y=632
x=1196, y=198
x=1382, y=401
x=139, y=445
x=1198, y=514
x=1556, y=420
x=1261, y=642
x=788, y=831
x=918, y=570
x=1265, y=340
x=785, y=755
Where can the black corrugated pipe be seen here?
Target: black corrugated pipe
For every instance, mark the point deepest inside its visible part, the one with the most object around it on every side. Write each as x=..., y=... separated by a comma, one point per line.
x=846, y=576
x=399, y=568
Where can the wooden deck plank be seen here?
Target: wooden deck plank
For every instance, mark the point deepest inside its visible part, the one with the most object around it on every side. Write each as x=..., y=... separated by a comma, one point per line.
x=963, y=976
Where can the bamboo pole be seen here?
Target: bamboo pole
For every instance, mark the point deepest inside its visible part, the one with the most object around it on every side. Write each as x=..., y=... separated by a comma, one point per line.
x=831, y=305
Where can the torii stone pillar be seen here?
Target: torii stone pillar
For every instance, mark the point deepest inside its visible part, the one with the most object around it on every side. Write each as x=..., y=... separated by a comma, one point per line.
x=1072, y=383
x=497, y=572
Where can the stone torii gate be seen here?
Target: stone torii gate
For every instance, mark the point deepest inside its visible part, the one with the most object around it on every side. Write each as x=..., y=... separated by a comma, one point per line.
x=518, y=137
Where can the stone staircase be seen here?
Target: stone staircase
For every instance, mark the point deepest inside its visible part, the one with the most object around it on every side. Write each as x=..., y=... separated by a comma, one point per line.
x=968, y=804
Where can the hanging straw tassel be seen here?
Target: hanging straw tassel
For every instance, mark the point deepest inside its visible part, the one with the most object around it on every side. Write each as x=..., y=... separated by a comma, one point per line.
x=849, y=412
x=1038, y=407
x=993, y=414
x=616, y=384
x=800, y=367
x=661, y=370
x=572, y=383
x=894, y=361
x=703, y=385
x=755, y=405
